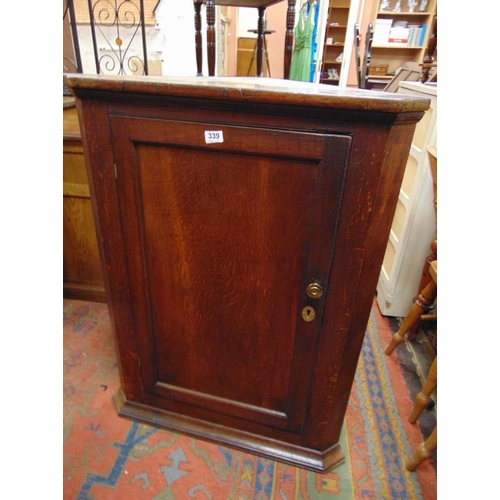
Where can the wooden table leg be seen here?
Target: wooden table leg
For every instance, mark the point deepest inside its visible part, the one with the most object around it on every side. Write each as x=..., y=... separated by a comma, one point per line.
x=211, y=42
x=290, y=24
x=198, y=39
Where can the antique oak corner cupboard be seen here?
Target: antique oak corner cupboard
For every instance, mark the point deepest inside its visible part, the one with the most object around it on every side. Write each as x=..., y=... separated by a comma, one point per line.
x=242, y=224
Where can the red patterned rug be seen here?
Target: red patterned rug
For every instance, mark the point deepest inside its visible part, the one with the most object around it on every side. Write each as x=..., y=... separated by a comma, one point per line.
x=108, y=457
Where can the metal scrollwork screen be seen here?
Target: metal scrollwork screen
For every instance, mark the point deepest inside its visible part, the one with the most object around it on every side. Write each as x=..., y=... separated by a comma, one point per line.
x=120, y=25
x=117, y=32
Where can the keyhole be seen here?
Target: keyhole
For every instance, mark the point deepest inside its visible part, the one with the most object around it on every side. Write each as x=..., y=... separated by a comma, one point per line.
x=308, y=313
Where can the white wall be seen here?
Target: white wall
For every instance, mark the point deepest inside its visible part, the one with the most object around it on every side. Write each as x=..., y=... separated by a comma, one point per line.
x=247, y=20
x=176, y=22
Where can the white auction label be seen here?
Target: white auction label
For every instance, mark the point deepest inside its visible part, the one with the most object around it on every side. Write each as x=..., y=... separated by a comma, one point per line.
x=212, y=136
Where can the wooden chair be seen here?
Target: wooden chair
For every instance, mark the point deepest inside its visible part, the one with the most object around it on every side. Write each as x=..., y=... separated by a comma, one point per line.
x=367, y=56
x=363, y=68
x=425, y=449
x=425, y=277
x=357, y=53
x=421, y=304
x=427, y=291
x=409, y=72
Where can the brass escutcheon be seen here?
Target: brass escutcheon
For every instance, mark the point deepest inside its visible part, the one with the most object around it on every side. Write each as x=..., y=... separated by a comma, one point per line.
x=308, y=313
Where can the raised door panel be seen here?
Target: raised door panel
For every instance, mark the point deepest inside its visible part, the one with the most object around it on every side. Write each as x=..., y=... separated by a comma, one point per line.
x=222, y=239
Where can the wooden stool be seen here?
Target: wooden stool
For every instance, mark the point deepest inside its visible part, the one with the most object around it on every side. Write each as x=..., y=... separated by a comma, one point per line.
x=424, y=450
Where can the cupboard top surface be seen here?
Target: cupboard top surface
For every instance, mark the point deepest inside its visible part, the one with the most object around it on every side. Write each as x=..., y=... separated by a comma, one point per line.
x=264, y=90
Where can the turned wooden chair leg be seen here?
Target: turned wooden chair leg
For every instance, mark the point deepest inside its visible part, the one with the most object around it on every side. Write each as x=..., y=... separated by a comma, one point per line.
x=425, y=279
x=423, y=452
x=424, y=396
x=422, y=302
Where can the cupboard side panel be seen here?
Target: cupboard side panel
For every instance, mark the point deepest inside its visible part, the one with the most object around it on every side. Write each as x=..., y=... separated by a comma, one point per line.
x=99, y=162
x=371, y=194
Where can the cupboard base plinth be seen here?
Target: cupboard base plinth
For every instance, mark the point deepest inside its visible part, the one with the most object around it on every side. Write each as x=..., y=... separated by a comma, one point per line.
x=79, y=291
x=258, y=445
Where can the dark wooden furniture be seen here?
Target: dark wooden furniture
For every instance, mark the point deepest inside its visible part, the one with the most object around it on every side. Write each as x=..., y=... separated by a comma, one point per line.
x=357, y=53
x=256, y=51
x=367, y=55
x=409, y=72
x=242, y=222
x=429, y=61
x=261, y=5
x=81, y=265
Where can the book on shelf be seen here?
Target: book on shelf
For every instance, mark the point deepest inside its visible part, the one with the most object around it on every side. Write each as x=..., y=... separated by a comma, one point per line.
x=414, y=36
x=398, y=37
x=388, y=32
x=417, y=35
x=381, y=31
x=411, y=36
x=400, y=24
x=422, y=35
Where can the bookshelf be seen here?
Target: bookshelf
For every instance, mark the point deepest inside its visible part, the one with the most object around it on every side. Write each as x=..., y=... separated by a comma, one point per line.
x=401, y=37
x=337, y=23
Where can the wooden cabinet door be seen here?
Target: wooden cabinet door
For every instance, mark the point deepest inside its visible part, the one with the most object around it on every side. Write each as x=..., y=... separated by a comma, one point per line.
x=224, y=227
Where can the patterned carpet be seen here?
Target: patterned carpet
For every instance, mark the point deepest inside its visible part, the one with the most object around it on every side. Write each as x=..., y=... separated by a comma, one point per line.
x=108, y=457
